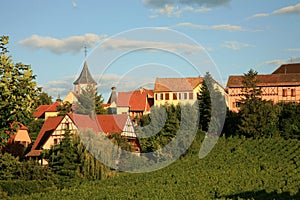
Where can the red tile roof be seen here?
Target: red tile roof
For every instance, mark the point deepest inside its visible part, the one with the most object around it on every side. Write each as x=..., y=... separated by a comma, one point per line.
x=46, y=108
x=101, y=123
x=267, y=80
x=49, y=126
x=112, y=123
x=176, y=84
x=137, y=100
x=288, y=68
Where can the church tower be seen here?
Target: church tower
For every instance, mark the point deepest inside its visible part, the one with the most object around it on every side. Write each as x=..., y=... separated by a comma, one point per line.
x=85, y=78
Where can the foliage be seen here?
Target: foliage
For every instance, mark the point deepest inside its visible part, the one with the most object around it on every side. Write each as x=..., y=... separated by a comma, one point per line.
x=12, y=169
x=23, y=187
x=64, y=158
x=205, y=102
x=64, y=109
x=237, y=168
x=89, y=102
x=289, y=123
x=43, y=99
x=18, y=92
x=34, y=128
x=250, y=89
x=258, y=118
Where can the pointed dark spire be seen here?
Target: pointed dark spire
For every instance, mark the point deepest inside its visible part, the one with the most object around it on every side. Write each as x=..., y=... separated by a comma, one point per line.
x=113, y=96
x=85, y=76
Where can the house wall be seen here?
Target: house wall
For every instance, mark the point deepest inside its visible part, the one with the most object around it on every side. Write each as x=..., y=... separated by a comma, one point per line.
x=183, y=97
x=58, y=134
x=22, y=136
x=271, y=93
x=71, y=98
x=50, y=114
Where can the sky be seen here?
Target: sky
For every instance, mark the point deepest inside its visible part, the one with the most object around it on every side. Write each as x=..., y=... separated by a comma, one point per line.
x=131, y=42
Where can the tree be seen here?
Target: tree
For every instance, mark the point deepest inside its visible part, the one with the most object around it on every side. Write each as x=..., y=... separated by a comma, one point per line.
x=289, y=123
x=89, y=102
x=257, y=117
x=99, y=108
x=205, y=103
x=43, y=99
x=64, y=109
x=64, y=158
x=18, y=92
x=250, y=89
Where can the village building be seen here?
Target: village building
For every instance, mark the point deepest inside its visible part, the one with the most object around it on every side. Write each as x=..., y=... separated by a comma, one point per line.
x=45, y=111
x=54, y=129
x=180, y=90
x=135, y=103
x=176, y=90
x=21, y=135
x=283, y=85
x=84, y=80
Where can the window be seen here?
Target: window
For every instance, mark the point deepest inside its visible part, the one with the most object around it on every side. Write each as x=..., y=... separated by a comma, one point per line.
x=237, y=104
x=179, y=96
x=284, y=92
x=55, y=141
x=191, y=95
x=174, y=96
x=293, y=92
x=167, y=96
x=185, y=95
x=159, y=96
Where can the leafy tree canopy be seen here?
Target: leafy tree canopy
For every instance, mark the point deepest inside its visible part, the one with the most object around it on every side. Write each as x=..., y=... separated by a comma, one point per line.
x=18, y=92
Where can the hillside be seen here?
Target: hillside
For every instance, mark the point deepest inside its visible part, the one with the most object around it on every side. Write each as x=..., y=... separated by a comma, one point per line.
x=236, y=168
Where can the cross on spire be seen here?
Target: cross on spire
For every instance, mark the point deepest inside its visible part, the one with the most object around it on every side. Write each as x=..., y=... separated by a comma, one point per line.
x=85, y=51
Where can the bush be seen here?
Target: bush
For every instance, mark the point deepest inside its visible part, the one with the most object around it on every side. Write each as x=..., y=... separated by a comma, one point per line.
x=21, y=187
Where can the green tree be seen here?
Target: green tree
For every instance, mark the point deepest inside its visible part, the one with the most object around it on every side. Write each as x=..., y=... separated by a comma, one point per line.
x=64, y=158
x=99, y=108
x=64, y=109
x=258, y=118
x=250, y=89
x=90, y=102
x=43, y=99
x=18, y=92
x=289, y=123
x=205, y=103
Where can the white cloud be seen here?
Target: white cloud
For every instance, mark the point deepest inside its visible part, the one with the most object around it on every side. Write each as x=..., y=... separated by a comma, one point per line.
x=293, y=49
x=175, y=8
x=285, y=10
x=278, y=62
x=234, y=45
x=73, y=44
x=168, y=10
x=194, y=3
x=221, y=27
x=288, y=10
x=259, y=15
x=74, y=4
x=123, y=44
x=227, y=27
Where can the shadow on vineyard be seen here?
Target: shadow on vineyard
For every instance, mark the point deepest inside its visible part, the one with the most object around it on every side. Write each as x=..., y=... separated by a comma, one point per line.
x=265, y=195
x=236, y=168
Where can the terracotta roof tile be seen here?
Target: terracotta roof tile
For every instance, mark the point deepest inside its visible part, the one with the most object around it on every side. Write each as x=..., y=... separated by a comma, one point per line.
x=136, y=100
x=50, y=124
x=176, y=84
x=46, y=108
x=288, y=68
x=267, y=80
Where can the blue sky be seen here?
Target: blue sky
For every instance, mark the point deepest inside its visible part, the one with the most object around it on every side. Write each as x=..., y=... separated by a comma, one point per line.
x=232, y=35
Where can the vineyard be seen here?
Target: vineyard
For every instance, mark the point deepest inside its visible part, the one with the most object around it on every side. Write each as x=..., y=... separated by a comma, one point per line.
x=237, y=168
